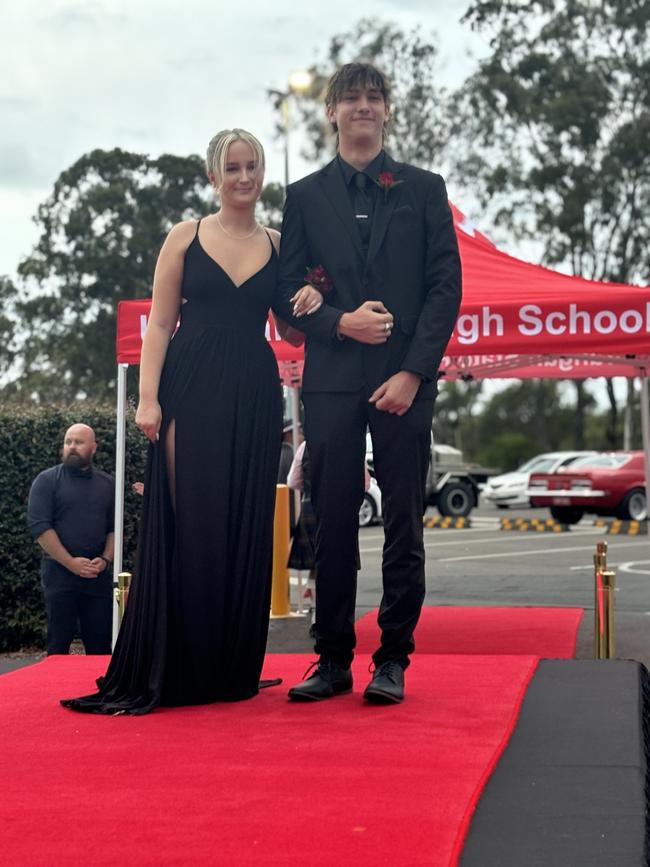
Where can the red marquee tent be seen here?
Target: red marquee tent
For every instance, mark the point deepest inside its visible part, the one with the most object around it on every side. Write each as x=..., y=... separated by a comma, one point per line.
x=530, y=321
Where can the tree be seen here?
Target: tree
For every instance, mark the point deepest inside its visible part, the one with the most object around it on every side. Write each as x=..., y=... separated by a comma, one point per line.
x=8, y=322
x=552, y=134
x=409, y=59
x=269, y=209
x=100, y=234
x=543, y=423
x=560, y=111
x=455, y=407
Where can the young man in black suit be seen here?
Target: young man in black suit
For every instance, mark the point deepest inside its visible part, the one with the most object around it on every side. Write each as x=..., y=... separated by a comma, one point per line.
x=383, y=233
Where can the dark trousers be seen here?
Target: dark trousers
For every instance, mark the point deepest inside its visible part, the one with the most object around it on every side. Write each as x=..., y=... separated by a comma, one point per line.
x=70, y=603
x=335, y=429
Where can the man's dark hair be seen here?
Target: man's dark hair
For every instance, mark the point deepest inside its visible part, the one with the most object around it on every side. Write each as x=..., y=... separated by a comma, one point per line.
x=351, y=76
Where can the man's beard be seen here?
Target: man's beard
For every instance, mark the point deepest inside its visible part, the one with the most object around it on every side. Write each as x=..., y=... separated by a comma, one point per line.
x=75, y=461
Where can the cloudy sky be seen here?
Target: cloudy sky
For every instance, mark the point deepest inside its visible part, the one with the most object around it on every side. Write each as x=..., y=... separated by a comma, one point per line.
x=158, y=77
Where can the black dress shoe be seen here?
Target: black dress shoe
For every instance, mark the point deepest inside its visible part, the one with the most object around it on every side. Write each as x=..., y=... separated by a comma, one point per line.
x=387, y=684
x=328, y=680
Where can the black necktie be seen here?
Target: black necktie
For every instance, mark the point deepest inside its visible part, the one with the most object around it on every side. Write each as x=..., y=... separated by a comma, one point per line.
x=363, y=207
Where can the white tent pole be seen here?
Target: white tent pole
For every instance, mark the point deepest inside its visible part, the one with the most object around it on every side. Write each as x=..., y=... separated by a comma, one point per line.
x=295, y=436
x=120, y=454
x=629, y=408
x=645, y=430
x=295, y=418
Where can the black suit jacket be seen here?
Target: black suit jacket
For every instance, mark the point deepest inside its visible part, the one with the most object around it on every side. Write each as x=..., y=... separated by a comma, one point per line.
x=413, y=266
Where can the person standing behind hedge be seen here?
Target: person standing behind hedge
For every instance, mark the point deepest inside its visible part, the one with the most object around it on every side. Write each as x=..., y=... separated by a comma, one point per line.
x=70, y=514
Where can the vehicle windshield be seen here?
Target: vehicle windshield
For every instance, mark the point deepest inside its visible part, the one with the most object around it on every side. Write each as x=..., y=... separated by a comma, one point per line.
x=600, y=461
x=537, y=465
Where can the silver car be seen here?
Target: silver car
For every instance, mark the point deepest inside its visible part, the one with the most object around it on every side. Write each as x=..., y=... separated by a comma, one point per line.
x=511, y=489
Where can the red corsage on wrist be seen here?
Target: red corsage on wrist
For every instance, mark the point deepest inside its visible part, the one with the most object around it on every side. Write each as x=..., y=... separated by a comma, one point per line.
x=319, y=279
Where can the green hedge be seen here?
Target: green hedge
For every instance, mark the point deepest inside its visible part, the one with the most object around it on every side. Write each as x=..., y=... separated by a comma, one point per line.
x=30, y=441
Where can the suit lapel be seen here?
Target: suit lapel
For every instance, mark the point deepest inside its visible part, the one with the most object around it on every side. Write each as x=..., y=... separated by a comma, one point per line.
x=334, y=188
x=384, y=207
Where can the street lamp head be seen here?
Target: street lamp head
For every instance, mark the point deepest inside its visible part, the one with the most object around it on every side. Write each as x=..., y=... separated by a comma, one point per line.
x=300, y=81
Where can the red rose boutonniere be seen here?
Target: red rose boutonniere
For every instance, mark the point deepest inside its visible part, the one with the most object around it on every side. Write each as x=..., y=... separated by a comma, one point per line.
x=319, y=279
x=386, y=181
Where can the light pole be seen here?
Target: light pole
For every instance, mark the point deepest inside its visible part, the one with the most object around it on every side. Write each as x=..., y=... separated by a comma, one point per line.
x=299, y=83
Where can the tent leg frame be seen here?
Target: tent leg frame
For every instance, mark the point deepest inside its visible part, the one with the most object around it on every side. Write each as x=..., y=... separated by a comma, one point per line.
x=120, y=461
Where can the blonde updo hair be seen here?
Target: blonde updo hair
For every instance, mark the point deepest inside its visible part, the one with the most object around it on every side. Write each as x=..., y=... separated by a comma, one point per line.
x=217, y=154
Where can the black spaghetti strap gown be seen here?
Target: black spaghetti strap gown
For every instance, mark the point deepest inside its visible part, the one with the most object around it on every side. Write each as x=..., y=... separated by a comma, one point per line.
x=196, y=622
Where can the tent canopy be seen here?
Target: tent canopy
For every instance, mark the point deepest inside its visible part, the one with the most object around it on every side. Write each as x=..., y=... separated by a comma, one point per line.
x=527, y=320
x=516, y=320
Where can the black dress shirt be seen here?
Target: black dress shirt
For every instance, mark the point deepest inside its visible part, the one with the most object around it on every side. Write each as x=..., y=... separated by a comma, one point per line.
x=79, y=506
x=363, y=190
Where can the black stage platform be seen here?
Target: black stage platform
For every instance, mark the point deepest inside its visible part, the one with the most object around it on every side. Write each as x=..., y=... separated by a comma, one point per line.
x=570, y=788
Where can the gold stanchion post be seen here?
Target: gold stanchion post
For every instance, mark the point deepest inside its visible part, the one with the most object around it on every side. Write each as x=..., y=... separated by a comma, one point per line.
x=122, y=593
x=280, y=605
x=604, y=605
x=600, y=566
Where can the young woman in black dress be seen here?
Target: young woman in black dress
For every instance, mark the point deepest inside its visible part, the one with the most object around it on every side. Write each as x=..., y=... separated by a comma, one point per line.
x=196, y=623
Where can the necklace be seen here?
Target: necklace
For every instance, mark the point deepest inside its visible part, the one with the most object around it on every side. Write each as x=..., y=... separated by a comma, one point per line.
x=230, y=234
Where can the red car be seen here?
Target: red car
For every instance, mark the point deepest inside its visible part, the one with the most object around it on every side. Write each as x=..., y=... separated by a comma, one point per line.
x=611, y=484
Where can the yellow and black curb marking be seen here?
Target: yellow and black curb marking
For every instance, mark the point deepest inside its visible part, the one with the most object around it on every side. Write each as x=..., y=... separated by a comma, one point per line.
x=533, y=525
x=618, y=527
x=446, y=523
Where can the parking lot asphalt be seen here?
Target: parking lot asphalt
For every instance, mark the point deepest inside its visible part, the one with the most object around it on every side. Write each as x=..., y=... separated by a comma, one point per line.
x=484, y=565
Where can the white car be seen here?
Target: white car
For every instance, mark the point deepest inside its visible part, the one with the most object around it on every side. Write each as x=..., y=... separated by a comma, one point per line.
x=511, y=489
x=370, y=511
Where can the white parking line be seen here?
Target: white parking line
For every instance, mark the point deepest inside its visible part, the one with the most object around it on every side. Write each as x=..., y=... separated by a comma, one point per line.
x=521, y=553
x=505, y=537
x=627, y=567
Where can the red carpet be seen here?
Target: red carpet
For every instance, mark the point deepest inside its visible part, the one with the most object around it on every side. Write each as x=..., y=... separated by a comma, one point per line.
x=264, y=782
x=547, y=632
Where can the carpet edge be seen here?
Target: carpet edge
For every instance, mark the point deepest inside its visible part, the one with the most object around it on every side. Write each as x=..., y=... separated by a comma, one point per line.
x=463, y=827
x=577, y=630
x=31, y=666
x=644, y=700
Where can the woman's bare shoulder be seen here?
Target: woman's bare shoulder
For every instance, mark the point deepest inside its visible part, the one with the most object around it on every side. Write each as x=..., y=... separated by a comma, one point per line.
x=274, y=235
x=181, y=234
x=184, y=229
